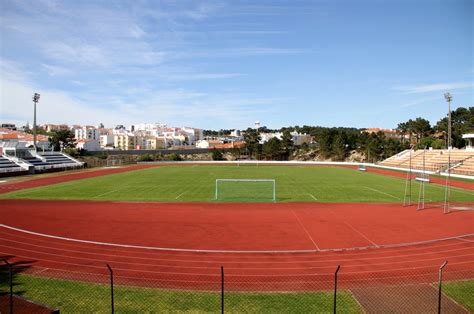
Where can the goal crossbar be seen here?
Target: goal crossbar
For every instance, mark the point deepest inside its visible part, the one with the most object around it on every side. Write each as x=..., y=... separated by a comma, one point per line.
x=272, y=181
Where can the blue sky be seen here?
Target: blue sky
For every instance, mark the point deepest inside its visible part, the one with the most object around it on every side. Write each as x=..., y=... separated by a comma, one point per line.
x=226, y=64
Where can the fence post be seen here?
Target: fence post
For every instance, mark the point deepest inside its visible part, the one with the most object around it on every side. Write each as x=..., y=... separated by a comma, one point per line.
x=335, y=287
x=111, y=272
x=10, y=276
x=440, y=280
x=222, y=289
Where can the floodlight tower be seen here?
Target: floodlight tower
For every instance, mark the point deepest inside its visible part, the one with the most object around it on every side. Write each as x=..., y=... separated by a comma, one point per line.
x=449, y=98
x=36, y=98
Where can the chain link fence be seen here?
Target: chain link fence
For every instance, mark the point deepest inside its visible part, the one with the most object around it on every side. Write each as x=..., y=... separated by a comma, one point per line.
x=31, y=289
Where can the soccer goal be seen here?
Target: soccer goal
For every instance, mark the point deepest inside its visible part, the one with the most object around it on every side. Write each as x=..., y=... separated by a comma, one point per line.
x=260, y=190
x=114, y=162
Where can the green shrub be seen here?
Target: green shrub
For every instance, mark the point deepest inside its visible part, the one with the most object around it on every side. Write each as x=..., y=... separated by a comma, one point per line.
x=217, y=155
x=146, y=157
x=174, y=157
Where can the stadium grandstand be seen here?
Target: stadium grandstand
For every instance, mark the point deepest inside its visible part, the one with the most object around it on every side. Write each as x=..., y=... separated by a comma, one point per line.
x=18, y=155
x=436, y=160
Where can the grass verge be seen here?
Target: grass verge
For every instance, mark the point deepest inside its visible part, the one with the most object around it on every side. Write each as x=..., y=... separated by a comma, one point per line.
x=73, y=297
x=461, y=292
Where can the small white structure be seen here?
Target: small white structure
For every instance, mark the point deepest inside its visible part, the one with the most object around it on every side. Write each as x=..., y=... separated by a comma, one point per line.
x=208, y=143
x=469, y=138
x=89, y=145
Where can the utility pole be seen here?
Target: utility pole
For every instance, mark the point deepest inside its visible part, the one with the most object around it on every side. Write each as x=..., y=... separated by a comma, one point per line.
x=36, y=98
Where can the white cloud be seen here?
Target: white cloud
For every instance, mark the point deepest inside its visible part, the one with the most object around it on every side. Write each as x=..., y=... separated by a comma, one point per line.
x=136, y=31
x=56, y=70
x=79, y=53
x=173, y=106
x=440, y=87
x=200, y=76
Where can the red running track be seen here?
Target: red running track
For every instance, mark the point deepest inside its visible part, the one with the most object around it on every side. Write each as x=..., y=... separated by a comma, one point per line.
x=442, y=181
x=355, y=236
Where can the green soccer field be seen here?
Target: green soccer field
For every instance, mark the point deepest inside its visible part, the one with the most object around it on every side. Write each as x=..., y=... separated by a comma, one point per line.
x=198, y=183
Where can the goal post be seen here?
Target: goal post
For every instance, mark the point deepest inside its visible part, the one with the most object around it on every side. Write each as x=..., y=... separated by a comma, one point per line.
x=245, y=189
x=113, y=162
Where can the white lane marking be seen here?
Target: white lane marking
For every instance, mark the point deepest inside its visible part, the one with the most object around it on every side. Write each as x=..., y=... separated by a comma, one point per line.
x=356, y=248
x=180, y=195
x=40, y=271
x=305, y=230
x=363, y=235
x=375, y=190
x=314, y=198
x=465, y=240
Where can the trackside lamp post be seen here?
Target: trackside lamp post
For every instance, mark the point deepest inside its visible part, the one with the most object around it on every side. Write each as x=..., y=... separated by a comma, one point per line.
x=36, y=98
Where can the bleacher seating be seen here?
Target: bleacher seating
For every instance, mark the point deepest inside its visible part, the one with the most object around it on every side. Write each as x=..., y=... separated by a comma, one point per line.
x=35, y=161
x=466, y=167
x=57, y=159
x=7, y=165
x=434, y=160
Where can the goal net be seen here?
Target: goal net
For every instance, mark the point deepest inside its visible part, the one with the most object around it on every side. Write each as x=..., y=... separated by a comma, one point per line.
x=114, y=162
x=259, y=190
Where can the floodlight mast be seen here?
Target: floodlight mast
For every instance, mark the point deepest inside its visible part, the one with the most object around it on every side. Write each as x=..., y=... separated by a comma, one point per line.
x=36, y=98
x=449, y=98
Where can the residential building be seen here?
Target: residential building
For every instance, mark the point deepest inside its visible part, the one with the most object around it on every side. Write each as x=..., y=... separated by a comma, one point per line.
x=9, y=126
x=125, y=141
x=87, y=133
x=106, y=140
x=389, y=133
x=150, y=142
x=300, y=139
x=14, y=138
x=55, y=127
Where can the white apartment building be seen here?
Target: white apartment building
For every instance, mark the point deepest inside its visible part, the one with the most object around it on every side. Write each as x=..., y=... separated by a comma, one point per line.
x=106, y=140
x=87, y=133
x=298, y=138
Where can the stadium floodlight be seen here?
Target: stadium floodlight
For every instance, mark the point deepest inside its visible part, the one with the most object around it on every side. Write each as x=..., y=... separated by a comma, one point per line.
x=36, y=98
x=449, y=98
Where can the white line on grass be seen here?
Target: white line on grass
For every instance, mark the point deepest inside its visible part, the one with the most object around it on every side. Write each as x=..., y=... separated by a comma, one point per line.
x=375, y=190
x=452, y=188
x=305, y=230
x=109, y=192
x=314, y=198
x=180, y=195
